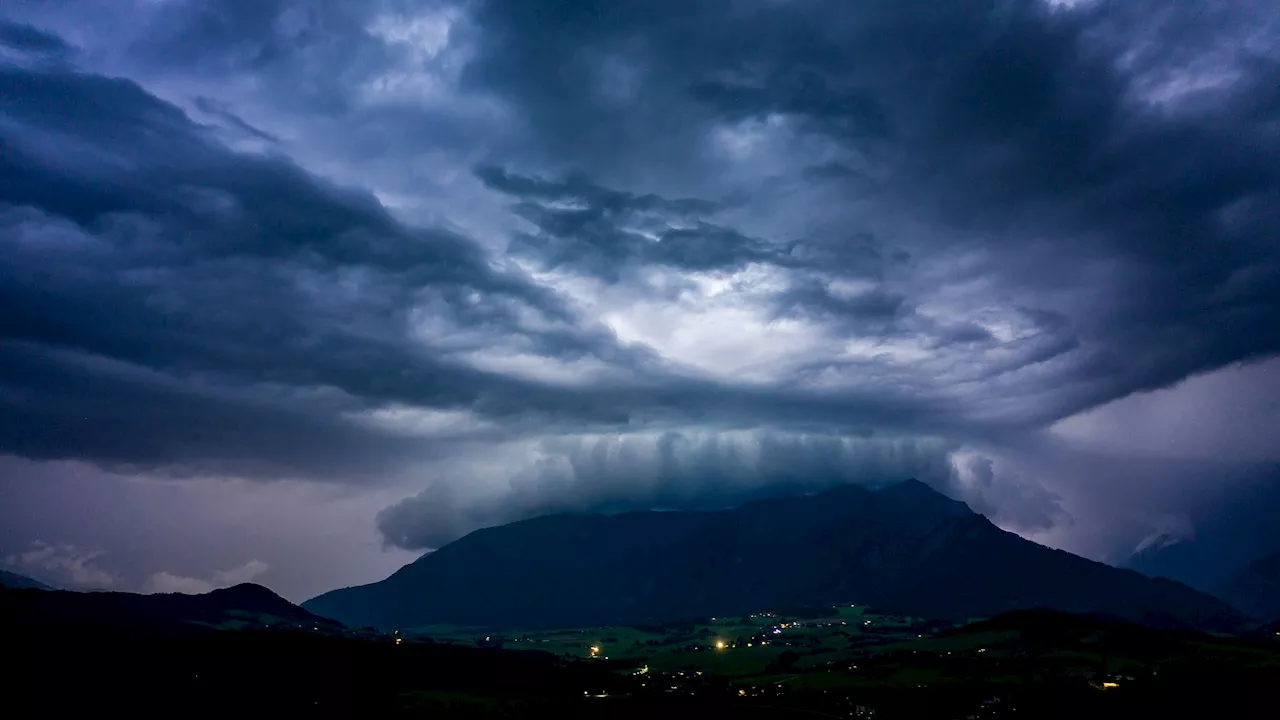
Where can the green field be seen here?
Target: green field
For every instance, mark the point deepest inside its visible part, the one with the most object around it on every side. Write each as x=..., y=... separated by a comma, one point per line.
x=844, y=657
x=734, y=647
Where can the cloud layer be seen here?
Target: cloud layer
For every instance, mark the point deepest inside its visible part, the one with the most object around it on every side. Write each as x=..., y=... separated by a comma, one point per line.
x=167, y=582
x=64, y=564
x=514, y=258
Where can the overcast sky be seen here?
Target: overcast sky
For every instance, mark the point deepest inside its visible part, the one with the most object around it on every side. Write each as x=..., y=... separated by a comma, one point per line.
x=294, y=290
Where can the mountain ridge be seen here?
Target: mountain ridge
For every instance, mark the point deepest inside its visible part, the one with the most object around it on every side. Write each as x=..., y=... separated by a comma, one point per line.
x=905, y=547
x=1256, y=589
x=246, y=604
x=16, y=581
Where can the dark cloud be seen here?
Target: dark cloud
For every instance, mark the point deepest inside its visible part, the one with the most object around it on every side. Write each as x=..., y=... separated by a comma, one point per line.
x=66, y=405
x=220, y=111
x=836, y=110
x=222, y=37
x=21, y=38
x=609, y=233
x=1119, y=202
x=578, y=188
x=897, y=219
x=867, y=307
x=1040, y=130
x=146, y=257
x=838, y=171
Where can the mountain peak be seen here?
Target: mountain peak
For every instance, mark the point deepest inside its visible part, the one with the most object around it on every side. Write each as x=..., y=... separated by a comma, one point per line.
x=253, y=590
x=914, y=495
x=905, y=547
x=912, y=488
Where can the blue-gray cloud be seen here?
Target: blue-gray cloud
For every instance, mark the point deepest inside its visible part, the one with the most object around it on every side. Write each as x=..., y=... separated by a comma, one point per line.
x=622, y=218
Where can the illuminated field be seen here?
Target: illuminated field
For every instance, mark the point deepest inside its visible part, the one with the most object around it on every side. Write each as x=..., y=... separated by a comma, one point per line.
x=738, y=646
x=847, y=657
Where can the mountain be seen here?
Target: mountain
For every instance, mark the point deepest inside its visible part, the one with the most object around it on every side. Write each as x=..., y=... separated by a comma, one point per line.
x=905, y=548
x=242, y=606
x=16, y=581
x=1256, y=589
x=1230, y=532
x=1186, y=561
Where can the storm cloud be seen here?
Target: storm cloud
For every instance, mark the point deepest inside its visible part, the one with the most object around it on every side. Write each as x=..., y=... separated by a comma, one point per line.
x=504, y=258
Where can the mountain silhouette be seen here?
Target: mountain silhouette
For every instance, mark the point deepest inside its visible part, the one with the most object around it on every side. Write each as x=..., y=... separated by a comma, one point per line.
x=1256, y=589
x=1228, y=535
x=16, y=581
x=904, y=548
x=242, y=606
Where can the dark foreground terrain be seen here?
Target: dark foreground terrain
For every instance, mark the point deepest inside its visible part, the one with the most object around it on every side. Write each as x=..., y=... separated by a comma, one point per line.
x=1028, y=664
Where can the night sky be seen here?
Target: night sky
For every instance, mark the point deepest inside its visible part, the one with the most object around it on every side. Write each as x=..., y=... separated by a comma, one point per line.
x=294, y=290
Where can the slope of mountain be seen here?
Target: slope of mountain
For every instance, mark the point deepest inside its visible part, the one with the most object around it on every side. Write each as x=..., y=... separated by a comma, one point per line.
x=906, y=548
x=16, y=581
x=1256, y=589
x=1229, y=534
x=244, y=605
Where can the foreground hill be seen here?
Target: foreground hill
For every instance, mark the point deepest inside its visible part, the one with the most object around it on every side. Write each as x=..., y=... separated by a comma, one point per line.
x=105, y=670
x=245, y=605
x=905, y=548
x=1256, y=590
x=17, y=582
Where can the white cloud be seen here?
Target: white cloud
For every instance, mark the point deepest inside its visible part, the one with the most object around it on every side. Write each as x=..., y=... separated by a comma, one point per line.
x=423, y=422
x=167, y=582
x=1233, y=413
x=430, y=57
x=719, y=325
x=66, y=564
